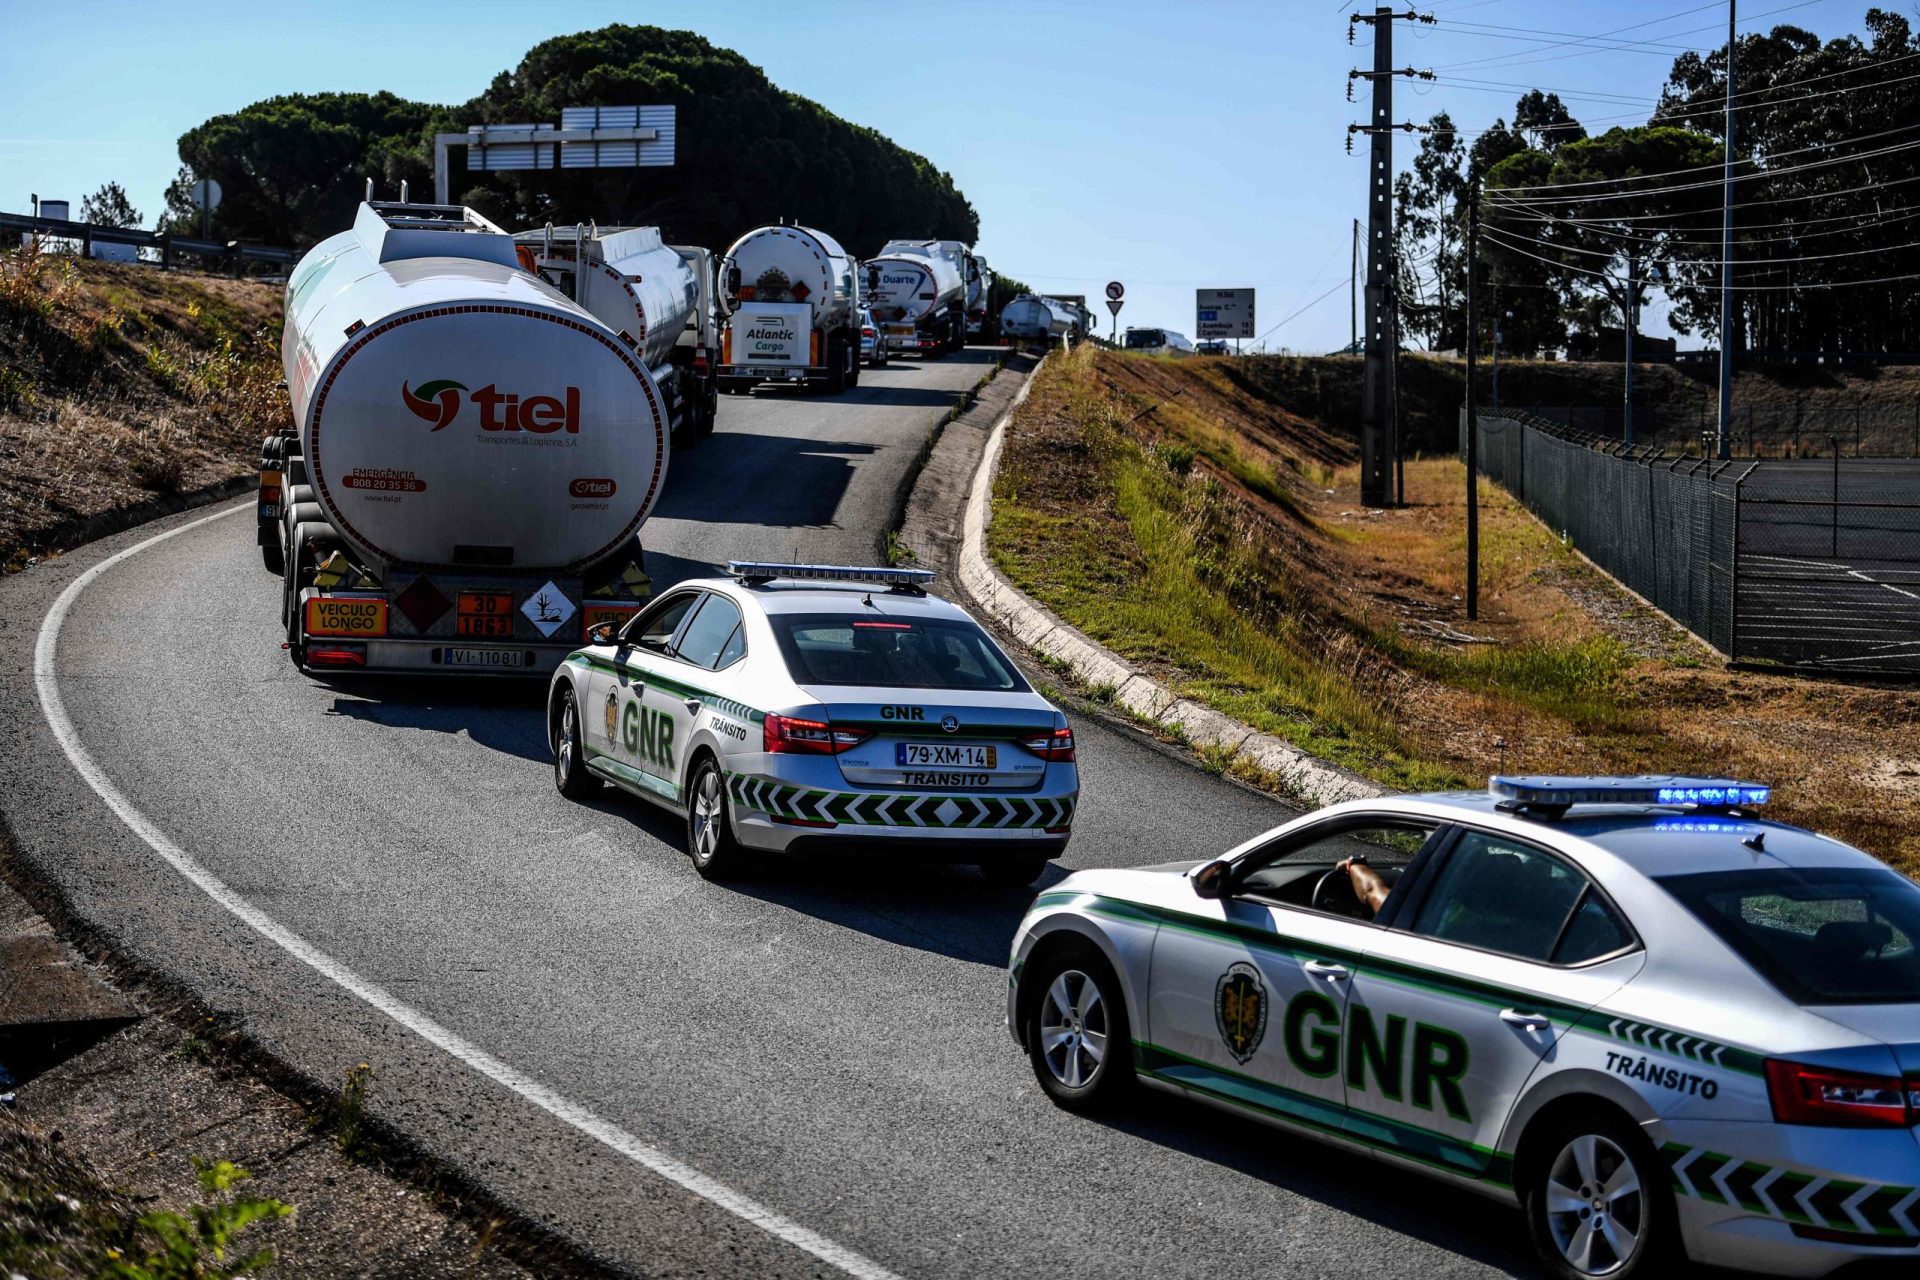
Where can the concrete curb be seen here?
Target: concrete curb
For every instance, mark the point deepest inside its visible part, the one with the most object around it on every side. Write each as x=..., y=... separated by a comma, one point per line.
x=1044, y=632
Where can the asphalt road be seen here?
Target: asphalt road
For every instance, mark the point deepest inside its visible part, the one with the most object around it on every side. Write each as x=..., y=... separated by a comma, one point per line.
x=825, y=1040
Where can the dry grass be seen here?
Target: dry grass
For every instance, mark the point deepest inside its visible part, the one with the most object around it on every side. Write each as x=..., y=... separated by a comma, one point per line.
x=1198, y=528
x=119, y=382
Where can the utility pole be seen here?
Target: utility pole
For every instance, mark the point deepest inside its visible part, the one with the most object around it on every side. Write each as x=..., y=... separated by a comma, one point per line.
x=1471, y=414
x=1376, y=389
x=1725, y=422
x=1353, y=295
x=1629, y=313
x=1497, y=336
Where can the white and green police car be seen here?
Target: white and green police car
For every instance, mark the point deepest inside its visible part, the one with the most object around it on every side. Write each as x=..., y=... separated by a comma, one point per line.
x=805, y=707
x=1659, y=1023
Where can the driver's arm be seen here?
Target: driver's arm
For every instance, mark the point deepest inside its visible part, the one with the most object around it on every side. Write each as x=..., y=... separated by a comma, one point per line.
x=1367, y=884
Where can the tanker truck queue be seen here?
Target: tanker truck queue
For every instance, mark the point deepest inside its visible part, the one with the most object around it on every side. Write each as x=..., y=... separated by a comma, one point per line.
x=482, y=421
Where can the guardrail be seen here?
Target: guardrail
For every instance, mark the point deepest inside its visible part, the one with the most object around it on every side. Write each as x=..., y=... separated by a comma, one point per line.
x=235, y=253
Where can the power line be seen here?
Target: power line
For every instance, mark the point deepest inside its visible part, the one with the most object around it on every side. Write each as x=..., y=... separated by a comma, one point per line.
x=1308, y=307
x=1745, y=288
x=1862, y=219
x=1878, y=185
x=1609, y=255
x=1521, y=59
x=1763, y=175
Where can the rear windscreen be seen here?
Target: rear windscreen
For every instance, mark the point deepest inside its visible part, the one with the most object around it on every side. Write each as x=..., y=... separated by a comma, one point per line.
x=914, y=653
x=1822, y=935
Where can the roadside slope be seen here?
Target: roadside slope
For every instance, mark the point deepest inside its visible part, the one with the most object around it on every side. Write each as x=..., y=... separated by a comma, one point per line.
x=123, y=388
x=1214, y=539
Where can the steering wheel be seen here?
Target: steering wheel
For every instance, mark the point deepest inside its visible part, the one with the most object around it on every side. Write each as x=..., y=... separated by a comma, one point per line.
x=1326, y=899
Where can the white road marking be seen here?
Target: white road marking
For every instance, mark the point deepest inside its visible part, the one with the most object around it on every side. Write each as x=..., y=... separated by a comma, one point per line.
x=572, y=1113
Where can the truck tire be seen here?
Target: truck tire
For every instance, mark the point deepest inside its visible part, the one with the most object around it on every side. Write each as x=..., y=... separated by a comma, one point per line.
x=836, y=367
x=274, y=557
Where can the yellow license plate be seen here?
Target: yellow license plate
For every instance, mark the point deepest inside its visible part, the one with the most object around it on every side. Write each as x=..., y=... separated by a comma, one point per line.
x=337, y=617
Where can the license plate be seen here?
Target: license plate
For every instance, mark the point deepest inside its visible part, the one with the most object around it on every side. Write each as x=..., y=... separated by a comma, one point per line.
x=483, y=657
x=940, y=755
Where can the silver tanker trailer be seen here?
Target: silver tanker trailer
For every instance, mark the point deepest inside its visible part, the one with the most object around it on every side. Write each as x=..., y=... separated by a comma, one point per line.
x=657, y=297
x=1032, y=319
x=474, y=454
x=917, y=291
x=795, y=303
x=979, y=292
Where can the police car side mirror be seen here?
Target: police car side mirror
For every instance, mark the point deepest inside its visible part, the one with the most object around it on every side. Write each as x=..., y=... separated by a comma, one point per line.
x=1210, y=881
x=601, y=633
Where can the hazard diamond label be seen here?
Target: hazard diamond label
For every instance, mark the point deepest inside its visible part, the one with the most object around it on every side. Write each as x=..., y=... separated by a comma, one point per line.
x=548, y=609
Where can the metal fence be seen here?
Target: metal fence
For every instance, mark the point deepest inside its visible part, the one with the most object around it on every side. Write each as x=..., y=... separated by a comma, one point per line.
x=1806, y=563
x=1886, y=429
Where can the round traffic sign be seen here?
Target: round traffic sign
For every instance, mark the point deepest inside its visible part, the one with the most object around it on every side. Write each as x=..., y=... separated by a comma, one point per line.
x=205, y=194
x=1116, y=290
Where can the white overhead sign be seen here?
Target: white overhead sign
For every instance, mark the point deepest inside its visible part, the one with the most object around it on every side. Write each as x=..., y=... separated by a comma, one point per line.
x=1223, y=313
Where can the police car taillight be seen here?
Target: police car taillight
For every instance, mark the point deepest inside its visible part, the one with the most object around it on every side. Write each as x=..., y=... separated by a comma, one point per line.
x=792, y=736
x=1057, y=745
x=1804, y=1094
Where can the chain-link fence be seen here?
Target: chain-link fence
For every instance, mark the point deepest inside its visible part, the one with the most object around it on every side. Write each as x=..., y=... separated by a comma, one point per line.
x=1801, y=562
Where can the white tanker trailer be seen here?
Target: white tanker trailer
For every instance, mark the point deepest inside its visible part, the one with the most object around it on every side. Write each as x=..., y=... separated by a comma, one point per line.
x=474, y=454
x=795, y=301
x=657, y=297
x=1032, y=319
x=979, y=291
x=917, y=291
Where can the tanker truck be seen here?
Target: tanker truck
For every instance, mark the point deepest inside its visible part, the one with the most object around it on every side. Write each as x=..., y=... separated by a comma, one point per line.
x=979, y=290
x=795, y=303
x=917, y=291
x=1031, y=319
x=657, y=297
x=472, y=456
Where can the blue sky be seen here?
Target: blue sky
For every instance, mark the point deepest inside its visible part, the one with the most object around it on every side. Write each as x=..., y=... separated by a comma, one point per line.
x=1168, y=145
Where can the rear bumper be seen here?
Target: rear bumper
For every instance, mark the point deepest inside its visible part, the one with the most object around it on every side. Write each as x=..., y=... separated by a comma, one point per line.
x=772, y=373
x=776, y=814
x=433, y=657
x=1795, y=1201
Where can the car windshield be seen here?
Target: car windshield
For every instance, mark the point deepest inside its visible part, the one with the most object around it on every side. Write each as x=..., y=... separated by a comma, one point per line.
x=903, y=653
x=1145, y=338
x=1822, y=935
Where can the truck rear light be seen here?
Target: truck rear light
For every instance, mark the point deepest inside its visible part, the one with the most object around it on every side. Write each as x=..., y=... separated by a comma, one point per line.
x=337, y=655
x=793, y=736
x=700, y=365
x=1058, y=831
x=745, y=293
x=1803, y=1094
x=867, y=333
x=1057, y=745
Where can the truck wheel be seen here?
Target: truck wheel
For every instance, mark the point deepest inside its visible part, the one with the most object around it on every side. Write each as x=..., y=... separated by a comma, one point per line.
x=716, y=854
x=569, y=756
x=836, y=367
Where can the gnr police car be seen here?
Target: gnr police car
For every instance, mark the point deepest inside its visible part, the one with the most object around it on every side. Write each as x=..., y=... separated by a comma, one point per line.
x=799, y=707
x=1655, y=1021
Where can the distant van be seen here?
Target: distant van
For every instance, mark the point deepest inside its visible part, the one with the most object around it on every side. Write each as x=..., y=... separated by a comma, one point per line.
x=1214, y=347
x=1158, y=342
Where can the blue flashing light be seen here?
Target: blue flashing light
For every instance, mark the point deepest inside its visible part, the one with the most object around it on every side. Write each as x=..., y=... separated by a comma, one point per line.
x=1706, y=826
x=1549, y=791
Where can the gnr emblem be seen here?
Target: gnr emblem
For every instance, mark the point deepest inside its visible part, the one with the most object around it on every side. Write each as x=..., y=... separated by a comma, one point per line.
x=1240, y=1010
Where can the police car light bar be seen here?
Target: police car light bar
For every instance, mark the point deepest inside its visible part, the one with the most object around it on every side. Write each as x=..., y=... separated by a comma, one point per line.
x=1546, y=792
x=762, y=571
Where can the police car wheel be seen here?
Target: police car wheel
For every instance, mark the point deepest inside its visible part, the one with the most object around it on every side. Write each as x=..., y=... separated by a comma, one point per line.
x=1596, y=1203
x=1077, y=1035
x=569, y=758
x=716, y=854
